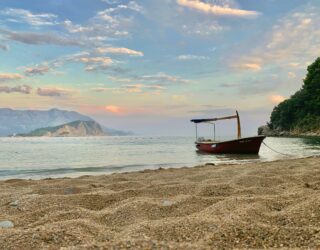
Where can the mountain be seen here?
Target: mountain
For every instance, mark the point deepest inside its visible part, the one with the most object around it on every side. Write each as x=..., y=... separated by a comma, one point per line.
x=300, y=114
x=72, y=129
x=24, y=121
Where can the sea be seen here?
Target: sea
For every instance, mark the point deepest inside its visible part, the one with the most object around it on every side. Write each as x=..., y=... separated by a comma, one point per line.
x=38, y=158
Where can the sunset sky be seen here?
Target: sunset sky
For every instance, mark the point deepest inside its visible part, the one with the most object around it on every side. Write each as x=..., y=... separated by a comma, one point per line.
x=150, y=66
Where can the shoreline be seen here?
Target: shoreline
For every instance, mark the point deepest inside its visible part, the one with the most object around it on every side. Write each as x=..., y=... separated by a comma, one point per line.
x=155, y=168
x=255, y=205
x=266, y=131
x=307, y=136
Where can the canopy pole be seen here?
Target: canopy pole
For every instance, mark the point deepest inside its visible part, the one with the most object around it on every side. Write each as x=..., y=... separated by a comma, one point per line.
x=196, y=131
x=214, y=131
x=239, y=126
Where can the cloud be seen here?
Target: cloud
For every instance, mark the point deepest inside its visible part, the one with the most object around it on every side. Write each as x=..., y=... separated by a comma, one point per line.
x=294, y=64
x=113, y=109
x=295, y=38
x=120, y=51
x=37, y=70
x=91, y=61
x=276, y=99
x=24, y=89
x=95, y=60
x=191, y=57
x=37, y=38
x=106, y=24
x=53, y=92
x=100, y=28
x=95, y=63
x=111, y=1
x=292, y=75
x=132, y=5
x=138, y=88
x=292, y=42
x=206, y=28
x=216, y=9
x=161, y=78
x=132, y=88
x=249, y=66
x=76, y=28
x=4, y=77
x=25, y=16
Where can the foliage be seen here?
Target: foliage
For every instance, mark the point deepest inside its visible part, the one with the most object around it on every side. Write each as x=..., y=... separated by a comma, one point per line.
x=302, y=111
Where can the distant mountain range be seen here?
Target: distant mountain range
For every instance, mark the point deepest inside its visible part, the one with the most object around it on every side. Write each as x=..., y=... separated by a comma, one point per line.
x=25, y=121
x=72, y=129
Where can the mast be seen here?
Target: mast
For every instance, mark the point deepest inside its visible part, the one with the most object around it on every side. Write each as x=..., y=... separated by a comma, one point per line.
x=239, y=126
x=196, y=131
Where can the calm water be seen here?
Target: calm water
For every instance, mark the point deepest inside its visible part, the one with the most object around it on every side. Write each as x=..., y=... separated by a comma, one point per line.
x=58, y=157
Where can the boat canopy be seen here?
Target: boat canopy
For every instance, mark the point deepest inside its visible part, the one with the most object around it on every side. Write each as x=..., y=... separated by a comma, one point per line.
x=213, y=119
x=196, y=121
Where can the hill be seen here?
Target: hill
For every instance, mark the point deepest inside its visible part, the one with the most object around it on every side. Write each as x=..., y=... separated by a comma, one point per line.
x=72, y=129
x=24, y=121
x=300, y=114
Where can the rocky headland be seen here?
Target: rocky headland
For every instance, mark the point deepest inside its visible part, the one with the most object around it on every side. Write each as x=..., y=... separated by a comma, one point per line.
x=72, y=129
x=267, y=131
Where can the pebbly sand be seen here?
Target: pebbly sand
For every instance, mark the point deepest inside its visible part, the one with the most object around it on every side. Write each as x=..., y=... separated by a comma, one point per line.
x=260, y=205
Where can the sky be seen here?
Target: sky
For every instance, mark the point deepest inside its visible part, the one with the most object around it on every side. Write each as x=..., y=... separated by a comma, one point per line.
x=150, y=66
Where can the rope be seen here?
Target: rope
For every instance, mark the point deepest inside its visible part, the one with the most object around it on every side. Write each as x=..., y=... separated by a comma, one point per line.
x=275, y=150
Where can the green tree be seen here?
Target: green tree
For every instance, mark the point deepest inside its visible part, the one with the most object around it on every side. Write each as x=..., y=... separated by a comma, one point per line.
x=302, y=110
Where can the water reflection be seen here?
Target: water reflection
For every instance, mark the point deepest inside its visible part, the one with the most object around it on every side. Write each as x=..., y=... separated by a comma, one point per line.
x=313, y=141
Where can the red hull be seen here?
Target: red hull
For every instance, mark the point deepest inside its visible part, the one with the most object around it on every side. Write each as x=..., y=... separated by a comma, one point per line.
x=249, y=145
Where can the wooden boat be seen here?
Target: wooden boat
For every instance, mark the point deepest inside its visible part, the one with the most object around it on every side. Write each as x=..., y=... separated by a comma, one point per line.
x=247, y=145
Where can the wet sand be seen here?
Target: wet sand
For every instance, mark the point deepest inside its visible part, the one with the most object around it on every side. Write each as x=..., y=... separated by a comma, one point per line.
x=259, y=205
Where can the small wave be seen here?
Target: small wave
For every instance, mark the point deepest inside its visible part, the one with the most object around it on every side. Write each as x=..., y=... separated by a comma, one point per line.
x=69, y=171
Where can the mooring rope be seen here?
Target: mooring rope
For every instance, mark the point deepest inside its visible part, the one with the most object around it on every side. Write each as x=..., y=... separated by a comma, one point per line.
x=275, y=150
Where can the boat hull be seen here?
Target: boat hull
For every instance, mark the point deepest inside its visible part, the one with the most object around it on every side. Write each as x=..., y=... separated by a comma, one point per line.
x=248, y=145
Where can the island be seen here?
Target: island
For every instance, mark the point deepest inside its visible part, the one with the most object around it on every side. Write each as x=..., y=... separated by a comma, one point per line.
x=300, y=114
x=41, y=122
x=72, y=129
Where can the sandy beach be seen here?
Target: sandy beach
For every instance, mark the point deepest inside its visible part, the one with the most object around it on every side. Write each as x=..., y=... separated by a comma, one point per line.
x=258, y=205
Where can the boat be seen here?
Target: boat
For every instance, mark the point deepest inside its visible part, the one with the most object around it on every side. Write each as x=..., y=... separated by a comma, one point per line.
x=245, y=145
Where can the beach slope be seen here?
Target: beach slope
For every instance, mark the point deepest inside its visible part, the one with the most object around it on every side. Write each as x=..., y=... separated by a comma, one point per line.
x=258, y=205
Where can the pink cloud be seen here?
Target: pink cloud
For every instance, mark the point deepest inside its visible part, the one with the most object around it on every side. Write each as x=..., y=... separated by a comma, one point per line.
x=113, y=109
x=216, y=9
x=9, y=77
x=276, y=99
x=53, y=92
x=249, y=66
x=120, y=51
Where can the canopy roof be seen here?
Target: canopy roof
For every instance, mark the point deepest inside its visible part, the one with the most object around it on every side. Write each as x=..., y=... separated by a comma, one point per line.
x=214, y=119
x=220, y=118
